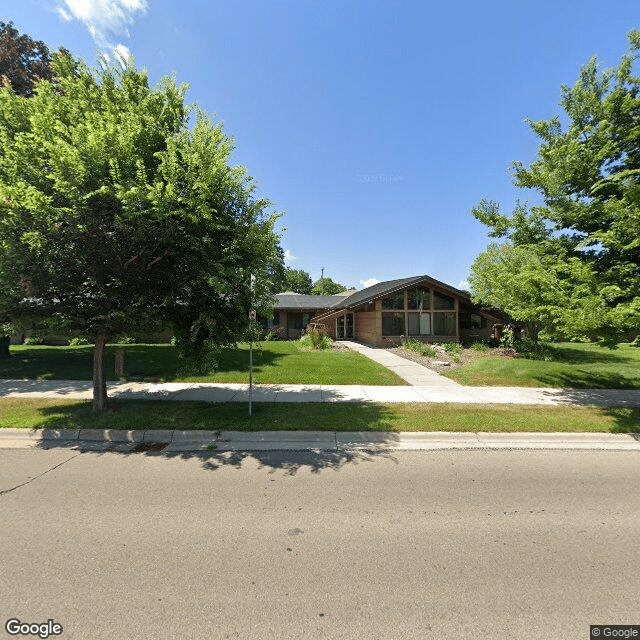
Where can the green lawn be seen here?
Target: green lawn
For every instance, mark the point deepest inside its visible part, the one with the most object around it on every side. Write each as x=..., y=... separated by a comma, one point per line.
x=150, y=414
x=579, y=366
x=273, y=362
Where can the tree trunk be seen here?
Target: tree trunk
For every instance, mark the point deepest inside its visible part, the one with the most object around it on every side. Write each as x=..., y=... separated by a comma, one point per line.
x=4, y=347
x=100, y=374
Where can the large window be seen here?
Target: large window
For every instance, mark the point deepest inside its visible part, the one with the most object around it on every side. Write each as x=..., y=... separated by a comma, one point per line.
x=393, y=324
x=298, y=320
x=419, y=299
x=395, y=301
x=419, y=324
x=444, y=324
x=440, y=301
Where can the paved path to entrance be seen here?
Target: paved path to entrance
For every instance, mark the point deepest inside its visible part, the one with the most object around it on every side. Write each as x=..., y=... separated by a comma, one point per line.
x=228, y=392
x=412, y=372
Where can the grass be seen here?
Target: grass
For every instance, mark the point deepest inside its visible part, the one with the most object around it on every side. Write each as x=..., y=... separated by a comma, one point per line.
x=578, y=366
x=273, y=362
x=154, y=414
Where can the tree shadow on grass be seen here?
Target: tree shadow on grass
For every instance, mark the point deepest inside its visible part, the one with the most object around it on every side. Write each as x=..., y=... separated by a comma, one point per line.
x=142, y=361
x=584, y=379
x=579, y=356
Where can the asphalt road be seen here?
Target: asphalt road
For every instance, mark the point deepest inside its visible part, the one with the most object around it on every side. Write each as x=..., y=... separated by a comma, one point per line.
x=444, y=544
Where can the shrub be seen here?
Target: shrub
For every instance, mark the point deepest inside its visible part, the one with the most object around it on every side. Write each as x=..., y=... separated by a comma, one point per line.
x=316, y=340
x=78, y=341
x=454, y=349
x=126, y=340
x=271, y=336
x=31, y=340
x=480, y=346
x=411, y=344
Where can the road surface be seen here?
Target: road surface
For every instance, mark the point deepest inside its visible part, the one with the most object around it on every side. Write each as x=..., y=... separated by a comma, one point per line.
x=440, y=544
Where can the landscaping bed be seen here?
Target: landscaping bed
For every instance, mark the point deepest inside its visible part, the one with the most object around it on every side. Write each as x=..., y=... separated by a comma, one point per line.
x=561, y=365
x=445, y=361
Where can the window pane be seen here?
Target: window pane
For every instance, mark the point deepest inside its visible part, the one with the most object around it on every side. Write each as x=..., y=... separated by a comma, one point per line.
x=419, y=324
x=395, y=301
x=425, y=324
x=440, y=301
x=419, y=298
x=444, y=324
x=393, y=324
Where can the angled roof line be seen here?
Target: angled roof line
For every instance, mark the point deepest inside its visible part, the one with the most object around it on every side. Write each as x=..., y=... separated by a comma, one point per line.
x=391, y=286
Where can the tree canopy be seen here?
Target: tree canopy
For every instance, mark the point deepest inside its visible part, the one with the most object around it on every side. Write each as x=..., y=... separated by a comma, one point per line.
x=297, y=280
x=117, y=210
x=23, y=61
x=327, y=287
x=573, y=262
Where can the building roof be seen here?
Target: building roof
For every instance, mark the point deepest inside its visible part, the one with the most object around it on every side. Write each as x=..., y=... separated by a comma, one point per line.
x=295, y=301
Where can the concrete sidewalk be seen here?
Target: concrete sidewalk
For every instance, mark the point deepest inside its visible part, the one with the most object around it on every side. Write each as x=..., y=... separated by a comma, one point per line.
x=212, y=392
x=221, y=441
x=412, y=372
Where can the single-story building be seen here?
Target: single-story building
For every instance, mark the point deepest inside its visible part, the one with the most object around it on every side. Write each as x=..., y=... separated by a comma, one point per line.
x=419, y=307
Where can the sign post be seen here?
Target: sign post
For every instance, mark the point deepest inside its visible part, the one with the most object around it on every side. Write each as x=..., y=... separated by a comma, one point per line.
x=252, y=316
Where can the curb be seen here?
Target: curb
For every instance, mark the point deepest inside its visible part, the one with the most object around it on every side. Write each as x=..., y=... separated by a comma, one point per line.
x=220, y=441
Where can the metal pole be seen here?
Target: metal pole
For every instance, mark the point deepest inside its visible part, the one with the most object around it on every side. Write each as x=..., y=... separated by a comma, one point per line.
x=250, y=373
x=252, y=316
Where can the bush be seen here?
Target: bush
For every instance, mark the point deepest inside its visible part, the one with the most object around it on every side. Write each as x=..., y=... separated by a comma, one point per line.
x=480, y=346
x=271, y=336
x=454, y=349
x=126, y=340
x=315, y=340
x=78, y=341
x=411, y=344
x=31, y=340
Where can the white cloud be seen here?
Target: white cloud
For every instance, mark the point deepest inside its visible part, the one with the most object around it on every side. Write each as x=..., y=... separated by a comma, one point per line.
x=464, y=284
x=369, y=283
x=289, y=257
x=122, y=54
x=107, y=20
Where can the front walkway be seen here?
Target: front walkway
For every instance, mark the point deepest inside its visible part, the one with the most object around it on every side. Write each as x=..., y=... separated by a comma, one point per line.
x=212, y=392
x=412, y=372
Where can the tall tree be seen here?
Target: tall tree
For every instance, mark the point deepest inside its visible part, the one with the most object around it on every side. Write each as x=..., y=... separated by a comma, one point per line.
x=114, y=212
x=23, y=63
x=297, y=280
x=327, y=287
x=581, y=247
x=23, y=60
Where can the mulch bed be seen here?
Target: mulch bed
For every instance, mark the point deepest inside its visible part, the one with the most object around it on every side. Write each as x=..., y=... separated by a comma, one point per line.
x=467, y=355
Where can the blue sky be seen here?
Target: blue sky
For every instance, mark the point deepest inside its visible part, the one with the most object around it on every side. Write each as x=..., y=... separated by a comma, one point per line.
x=373, y=126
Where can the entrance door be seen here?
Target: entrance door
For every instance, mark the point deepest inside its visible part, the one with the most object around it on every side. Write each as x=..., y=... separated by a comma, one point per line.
x=344, y=327
x=349, y=326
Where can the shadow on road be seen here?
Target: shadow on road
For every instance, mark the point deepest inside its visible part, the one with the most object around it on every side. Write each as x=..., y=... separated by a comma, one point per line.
x=289, y=461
